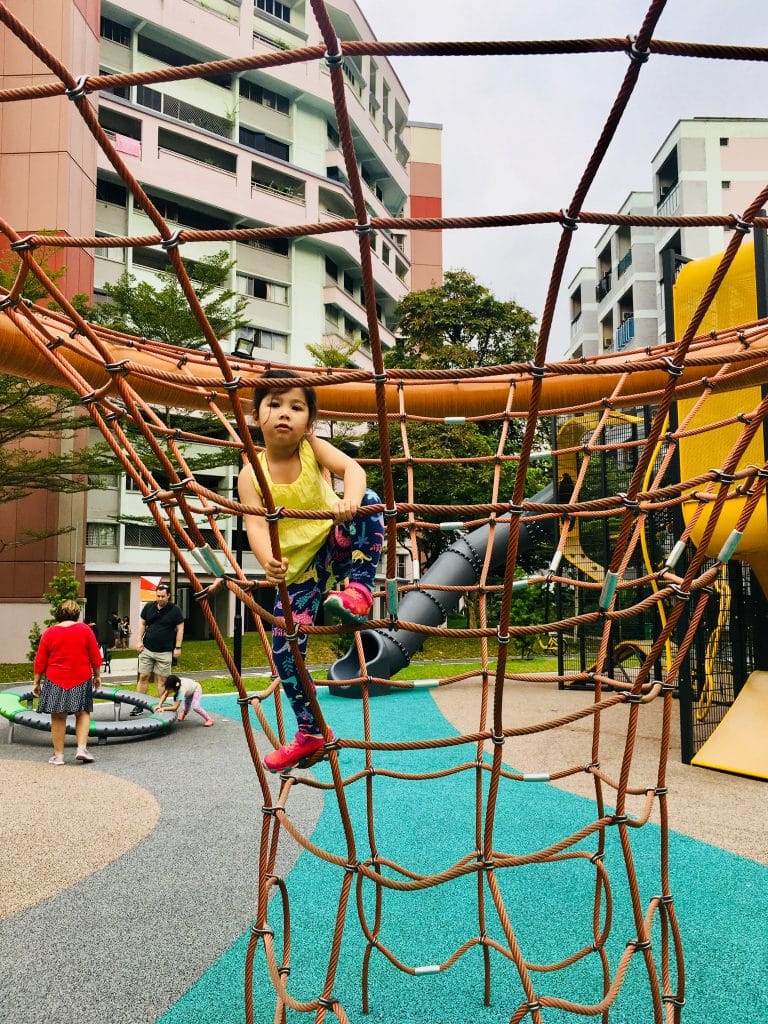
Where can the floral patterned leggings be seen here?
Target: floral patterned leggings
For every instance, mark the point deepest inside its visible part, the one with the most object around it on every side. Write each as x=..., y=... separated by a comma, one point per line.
x=352, y=550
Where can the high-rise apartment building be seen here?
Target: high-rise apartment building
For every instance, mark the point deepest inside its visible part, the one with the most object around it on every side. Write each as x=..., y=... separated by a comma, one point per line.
x=249, y=149
x=706, y=165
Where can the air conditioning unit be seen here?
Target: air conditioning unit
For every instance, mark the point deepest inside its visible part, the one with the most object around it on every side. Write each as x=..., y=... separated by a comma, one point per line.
x=607, y=343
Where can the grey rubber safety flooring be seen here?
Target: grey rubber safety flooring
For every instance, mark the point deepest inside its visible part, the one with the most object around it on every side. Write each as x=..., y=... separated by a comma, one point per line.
x=117, y=946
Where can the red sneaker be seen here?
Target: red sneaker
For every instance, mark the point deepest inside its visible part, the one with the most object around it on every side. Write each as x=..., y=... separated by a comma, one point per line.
x=304, y=750
x=350, y=606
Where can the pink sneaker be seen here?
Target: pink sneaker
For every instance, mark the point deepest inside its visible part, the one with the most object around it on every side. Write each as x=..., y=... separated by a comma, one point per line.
x=303, y=751
x=350, y=606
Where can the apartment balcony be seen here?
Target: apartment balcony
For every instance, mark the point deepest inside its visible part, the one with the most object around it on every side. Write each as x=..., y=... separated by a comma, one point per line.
x=669, y=203
x=625, y=333
x=576, y=325
x=335, y=296
x=624, y=263
x=603, y=286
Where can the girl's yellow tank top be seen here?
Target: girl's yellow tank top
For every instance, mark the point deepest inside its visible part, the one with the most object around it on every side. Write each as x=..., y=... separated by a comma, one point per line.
x=300, y=539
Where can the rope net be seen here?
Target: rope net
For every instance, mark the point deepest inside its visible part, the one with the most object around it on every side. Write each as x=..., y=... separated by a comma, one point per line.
x=617, y=407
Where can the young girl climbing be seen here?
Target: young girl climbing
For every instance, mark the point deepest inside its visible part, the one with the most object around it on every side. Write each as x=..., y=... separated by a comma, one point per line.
x=316, y=554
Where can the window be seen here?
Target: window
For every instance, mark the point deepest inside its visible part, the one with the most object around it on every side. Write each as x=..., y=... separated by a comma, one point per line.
x=110, y=192
x=275, y=8
x=724, y=142
x=176, y=58
x=143, y=536
x=122, y=90
x=331, y=269
x=349, y=283
x=101, y=535
x=725, y=185
x=260, y=289
x=266, y=97
x=116, y=33
x=150, y=98
x=264, y=143
x=270, y=340
x=385, y=253
x=279, y=246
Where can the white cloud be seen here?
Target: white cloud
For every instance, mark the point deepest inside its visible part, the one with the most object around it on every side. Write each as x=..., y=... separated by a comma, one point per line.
x=518, y=131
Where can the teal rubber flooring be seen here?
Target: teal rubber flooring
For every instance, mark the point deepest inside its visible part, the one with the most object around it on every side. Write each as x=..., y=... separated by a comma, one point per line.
x=720, y=899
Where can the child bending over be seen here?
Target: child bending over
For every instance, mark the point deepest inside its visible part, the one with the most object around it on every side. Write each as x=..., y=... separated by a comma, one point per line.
x=181, y=689
x=316, y=553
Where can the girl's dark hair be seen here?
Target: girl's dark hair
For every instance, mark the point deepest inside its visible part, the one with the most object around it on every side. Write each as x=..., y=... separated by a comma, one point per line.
x=173, y=682
x=260, y=392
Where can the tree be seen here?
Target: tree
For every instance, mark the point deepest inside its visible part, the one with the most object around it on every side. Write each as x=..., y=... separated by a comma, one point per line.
x=33, y=414
x=64, y=586
x=460, y=324
x=163, y=314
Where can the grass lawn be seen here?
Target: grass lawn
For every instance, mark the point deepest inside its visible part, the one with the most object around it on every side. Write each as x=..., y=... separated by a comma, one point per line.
x=440, y=657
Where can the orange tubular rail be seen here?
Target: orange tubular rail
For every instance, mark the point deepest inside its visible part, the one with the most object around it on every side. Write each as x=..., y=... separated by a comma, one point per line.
x=186, y=378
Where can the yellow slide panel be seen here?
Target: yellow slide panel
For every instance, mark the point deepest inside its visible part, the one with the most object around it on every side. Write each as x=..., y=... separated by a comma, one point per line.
x=740, y=743
x=734, y=304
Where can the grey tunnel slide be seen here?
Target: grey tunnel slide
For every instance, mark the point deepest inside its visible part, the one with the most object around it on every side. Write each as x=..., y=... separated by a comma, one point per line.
x=387, y=651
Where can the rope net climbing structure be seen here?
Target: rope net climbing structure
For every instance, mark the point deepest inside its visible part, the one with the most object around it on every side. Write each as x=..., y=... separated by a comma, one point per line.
x=122, y=381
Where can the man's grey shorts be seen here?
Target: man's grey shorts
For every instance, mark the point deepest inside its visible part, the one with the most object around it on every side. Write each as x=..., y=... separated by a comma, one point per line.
x=158, y=663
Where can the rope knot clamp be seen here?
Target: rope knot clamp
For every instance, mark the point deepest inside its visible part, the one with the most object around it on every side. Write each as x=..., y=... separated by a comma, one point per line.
x=596, y=857
x=661, y=791
x=173, y=242
x=366, y=228
x=335, y=60
x=672, y=368
x=619, y=819
x=740, y=225
x=380, y=378
x=79, y=89
x=667, y=687
x=272, y=517
x=283, y=971
x=23, y=244
x=671, y=438
x=674, y=1000
x=333, y=744
x=638, y=944
x=271, y=810
x=709, y=382
x=536, y=371
x=242, y=701
x=498, y=741
x=680, y=594
x=629, y=502
x=592, y=766
x=232, y=385
x=488, y=865
x=515, y=510
x=634, y=698
x=535, y=1005
x=567, y=222
x=53, y=344
x=121, y=367
x=182, y=362
x=723, y=478
x=204, y=593
x=9, y=303
x=291, y=637
x=327, y=1004
x=635, y=55
x=255, y=930
x=666, y=898
x=74, y=333
x=502, y=638
x=88, y=399
x=351, y=868
x=181, y=484
x=390, y=513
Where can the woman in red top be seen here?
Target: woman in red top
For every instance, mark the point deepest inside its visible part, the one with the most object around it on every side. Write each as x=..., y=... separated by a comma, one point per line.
x=68, y=661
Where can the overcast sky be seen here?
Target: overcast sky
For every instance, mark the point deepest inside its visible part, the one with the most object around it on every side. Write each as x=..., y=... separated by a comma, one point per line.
x=518, y=131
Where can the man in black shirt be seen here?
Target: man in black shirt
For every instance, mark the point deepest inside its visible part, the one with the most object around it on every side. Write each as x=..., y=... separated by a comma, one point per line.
x=161, y=631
